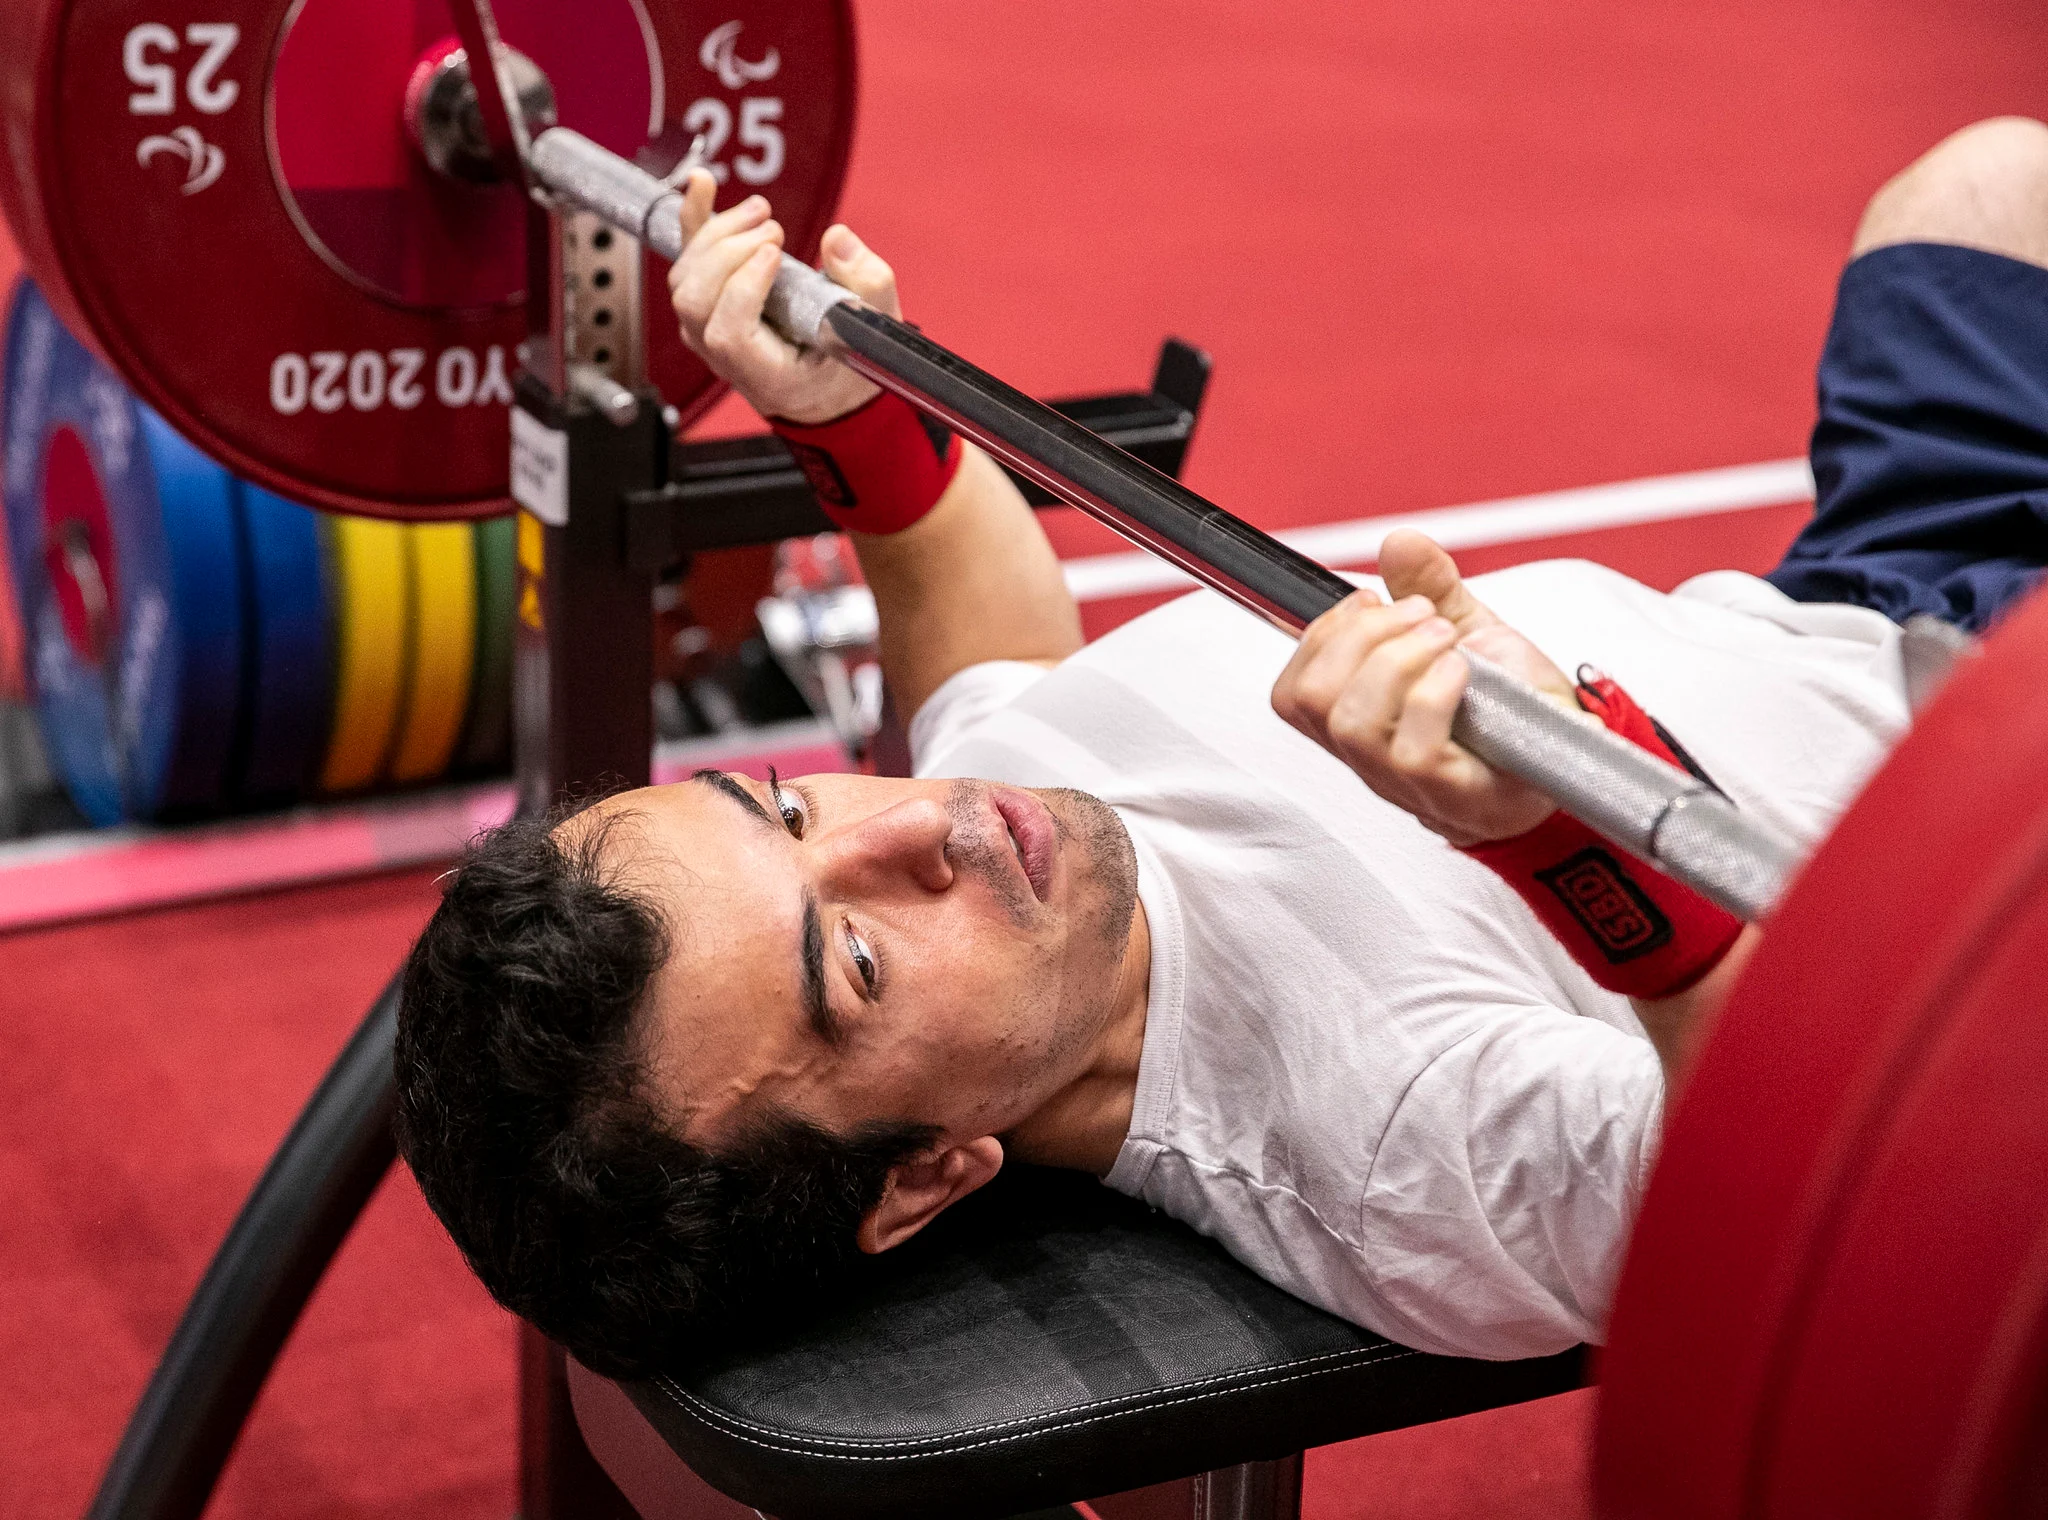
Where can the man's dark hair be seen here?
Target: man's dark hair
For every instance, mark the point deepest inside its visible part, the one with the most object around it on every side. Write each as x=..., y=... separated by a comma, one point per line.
x=524, y=1110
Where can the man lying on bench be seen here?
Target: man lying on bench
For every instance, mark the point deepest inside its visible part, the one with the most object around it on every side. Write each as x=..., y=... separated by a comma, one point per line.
x=667, y=1065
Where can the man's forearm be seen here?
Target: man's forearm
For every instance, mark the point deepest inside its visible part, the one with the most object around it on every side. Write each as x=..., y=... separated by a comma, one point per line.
x=1677, y=1025
x=974, y=580
x=958, y=580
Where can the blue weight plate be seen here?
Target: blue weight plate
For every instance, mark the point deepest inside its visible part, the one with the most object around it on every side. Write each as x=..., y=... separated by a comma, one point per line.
x=13, y=675
x=288, y=694
x=125, y=557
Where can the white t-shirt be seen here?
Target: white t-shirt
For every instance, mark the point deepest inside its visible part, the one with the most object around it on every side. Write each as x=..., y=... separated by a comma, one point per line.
x=1368, y=1071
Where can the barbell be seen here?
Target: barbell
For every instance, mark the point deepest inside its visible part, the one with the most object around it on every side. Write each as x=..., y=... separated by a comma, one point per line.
x=1662, y=815
x=288, y=227
x=328, y=297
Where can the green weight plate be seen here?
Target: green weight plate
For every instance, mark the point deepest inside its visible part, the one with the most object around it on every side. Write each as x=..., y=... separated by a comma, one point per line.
x=487, y=738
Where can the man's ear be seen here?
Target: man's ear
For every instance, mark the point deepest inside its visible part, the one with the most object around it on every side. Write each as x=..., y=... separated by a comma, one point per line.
x=920, y=1189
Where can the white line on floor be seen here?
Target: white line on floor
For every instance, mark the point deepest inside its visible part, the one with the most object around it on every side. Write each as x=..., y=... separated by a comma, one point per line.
x=1658, y=498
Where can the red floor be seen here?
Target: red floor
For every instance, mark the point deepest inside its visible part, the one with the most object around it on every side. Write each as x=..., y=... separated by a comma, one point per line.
x=1441, y=253
x=151, y=1066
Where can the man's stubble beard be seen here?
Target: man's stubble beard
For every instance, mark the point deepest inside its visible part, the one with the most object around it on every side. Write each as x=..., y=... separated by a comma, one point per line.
x=1103, y=924
x=1078, y=818
x=1112, y=860
x=1073, y=1002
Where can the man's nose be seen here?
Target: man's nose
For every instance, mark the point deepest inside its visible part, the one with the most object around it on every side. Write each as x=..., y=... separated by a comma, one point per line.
x=905, y=843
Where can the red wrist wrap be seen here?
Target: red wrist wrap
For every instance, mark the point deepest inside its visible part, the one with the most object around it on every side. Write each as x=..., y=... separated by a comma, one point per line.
x=1632, y=928
x=879, y=468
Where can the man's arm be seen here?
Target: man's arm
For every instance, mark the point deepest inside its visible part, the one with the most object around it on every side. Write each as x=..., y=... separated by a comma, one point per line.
x=975, y=580
x=972, y=580
x=1677, y=1025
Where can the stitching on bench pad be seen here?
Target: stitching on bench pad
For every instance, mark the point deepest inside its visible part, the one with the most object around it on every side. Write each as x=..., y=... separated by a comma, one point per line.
x=740, y=1428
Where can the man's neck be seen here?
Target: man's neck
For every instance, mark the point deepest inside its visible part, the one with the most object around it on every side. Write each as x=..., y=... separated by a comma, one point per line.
x=1083, y=1125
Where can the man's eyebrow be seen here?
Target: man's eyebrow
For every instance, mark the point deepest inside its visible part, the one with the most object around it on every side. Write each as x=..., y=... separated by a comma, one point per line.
x=719, y=781
x=817, y=1009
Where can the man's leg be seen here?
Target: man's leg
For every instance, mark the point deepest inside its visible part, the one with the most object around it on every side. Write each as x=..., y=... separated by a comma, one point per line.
x=1983, y=187
x=1930, y=457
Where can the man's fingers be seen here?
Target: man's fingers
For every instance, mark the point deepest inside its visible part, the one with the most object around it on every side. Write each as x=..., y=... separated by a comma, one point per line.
x=734, y=325
x=719, y=286
x=700, y=289
x=749, y=213
x=1378, y=686
x=1422, y=731
x=1345, y=623
x=1336, y=645
x=1368, y=714
x=698, y=193
x=1323, y=629
x=860, y=269
x=1414, y=565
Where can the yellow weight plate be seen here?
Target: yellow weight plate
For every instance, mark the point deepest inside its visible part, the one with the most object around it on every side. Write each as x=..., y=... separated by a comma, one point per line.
x=443, y=648
x=372, y=618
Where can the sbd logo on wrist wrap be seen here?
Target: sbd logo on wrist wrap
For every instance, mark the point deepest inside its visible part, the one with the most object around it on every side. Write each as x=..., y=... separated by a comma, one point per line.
x=828, y=483
x=1643, y=936
x=1604, y=899
x=879, y=468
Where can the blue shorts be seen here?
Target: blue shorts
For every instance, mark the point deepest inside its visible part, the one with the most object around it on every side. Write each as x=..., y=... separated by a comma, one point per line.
x=1931, y=453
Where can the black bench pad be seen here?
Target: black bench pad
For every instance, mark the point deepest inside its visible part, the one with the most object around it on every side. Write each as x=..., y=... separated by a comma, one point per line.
x=1049, y=1340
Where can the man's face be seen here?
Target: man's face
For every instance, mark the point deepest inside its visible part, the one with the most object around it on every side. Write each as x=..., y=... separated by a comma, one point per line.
x=851, y=948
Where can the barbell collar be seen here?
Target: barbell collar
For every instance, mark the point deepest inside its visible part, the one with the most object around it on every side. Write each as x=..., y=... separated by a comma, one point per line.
x=444, y=114
x=496, y=91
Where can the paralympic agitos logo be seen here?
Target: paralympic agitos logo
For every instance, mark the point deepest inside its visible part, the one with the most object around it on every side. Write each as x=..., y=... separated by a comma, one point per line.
x=720, y=54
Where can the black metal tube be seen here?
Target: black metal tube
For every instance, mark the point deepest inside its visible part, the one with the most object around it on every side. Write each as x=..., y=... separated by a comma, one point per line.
x=309, y=1197
x=1152, y=509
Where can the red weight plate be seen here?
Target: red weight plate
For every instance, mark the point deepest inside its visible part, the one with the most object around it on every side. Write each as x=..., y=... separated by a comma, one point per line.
x=1927, y=1296
x=222, y=196
x=1847, y=1036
